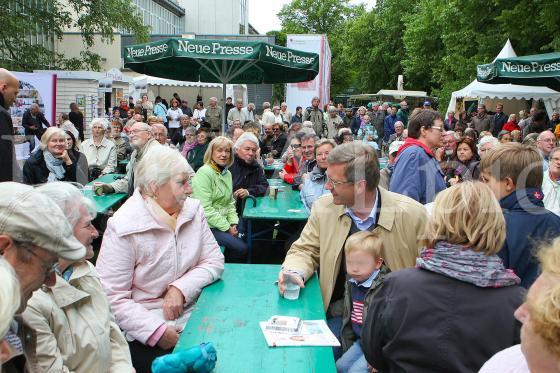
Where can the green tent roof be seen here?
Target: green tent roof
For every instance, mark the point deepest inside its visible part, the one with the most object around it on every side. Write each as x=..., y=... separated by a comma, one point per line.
x=221, y=61
x=535, y=70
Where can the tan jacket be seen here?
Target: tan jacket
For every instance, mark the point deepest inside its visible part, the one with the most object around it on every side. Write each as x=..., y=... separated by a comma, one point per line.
x=74, y=329
x=401, y=222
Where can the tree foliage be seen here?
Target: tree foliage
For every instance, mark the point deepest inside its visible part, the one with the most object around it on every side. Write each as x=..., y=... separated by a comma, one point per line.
x=436, y=44
x=24, y=21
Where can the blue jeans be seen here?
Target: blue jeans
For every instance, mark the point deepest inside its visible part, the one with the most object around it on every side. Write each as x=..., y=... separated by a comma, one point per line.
x=335, y=325
x=353, y=360
x=235, y=248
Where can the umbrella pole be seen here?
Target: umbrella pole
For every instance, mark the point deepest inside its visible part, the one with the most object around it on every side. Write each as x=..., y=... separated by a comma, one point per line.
x=224, y=118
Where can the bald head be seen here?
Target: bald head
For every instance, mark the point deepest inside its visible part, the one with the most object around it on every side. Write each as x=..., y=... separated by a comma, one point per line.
x=9, y=87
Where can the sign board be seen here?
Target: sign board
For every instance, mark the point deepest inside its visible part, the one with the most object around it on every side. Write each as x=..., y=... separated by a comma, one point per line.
x=35, y=88
x=301, y=94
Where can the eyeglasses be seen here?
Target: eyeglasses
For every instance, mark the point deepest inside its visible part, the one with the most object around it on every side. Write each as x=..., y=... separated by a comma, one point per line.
x=296, y=146
x=550, y=141
x=135, y=132
x=276, y=129
x=437, y=128
x=48, y=269
x=335, y=183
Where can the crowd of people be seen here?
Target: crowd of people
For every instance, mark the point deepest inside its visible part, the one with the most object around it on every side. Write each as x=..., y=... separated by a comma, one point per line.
x=442, y=258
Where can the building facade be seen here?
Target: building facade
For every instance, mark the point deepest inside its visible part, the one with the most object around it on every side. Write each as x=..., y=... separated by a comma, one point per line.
x=216, y=17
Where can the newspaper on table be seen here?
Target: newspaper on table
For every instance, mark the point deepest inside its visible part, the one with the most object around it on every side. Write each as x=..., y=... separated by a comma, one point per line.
x=282, y=331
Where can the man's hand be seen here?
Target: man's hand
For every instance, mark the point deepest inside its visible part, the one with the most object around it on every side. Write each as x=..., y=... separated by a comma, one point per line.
x=169, y=338
x=240, y=193
x=173, y=303
x=282, y=286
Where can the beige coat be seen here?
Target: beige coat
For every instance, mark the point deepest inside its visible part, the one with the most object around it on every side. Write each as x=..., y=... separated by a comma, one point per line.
x=401, y=222
x=73, y=328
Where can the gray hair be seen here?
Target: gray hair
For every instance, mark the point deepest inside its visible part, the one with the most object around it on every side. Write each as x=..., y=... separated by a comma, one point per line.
x=360, y=160
x=307, y=131
x=183, y=116
x=145, y=126
x=266, y=105
x=246, y=136
x=68, y=197
x=454, y=134
x=322, y=142
x=101, y=121
x=251, y=105
x=488, y=139
x=159, y=125
x=332, y=109
x=398, y=123
x=10, y=296
x=50, y=132
x=308, y=136
x=157, y=167
x=307, y=124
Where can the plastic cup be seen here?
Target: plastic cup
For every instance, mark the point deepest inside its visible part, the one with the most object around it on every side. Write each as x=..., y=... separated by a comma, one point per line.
x=273, y=193
x=98, y=188
x=292, y=287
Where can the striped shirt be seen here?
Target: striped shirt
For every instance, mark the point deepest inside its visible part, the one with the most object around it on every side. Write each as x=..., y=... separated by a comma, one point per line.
x=358, y=293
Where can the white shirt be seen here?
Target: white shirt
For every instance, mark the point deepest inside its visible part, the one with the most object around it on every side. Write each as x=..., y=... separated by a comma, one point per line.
x=510, y=360
x=174, y=117
x=199, y=115
x=268, y=117
x=551, y=190
x=103, y=156
x=249, y=115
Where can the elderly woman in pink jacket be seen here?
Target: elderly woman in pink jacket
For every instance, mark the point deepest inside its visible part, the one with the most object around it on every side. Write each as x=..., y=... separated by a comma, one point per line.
x=157, y=254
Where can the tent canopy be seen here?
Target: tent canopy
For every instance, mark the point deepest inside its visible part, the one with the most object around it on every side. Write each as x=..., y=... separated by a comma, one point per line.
x=221, y=61
x=151, y=80
x=480, y=90
x=542, y=70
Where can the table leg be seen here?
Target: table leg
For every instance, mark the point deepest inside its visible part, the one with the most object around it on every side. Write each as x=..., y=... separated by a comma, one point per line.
x=249, y=240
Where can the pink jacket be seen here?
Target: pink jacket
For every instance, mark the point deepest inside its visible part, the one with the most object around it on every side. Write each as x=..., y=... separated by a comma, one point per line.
x=140, y=258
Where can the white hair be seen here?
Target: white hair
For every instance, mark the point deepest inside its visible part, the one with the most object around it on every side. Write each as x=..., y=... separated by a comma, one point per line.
x=101, y=121
x=246, y=136
x=159, y=125
x=332, y=109
x=157, y=166
x=488, y=139
x=307, y=124
x=69, y=198
x=10, y=297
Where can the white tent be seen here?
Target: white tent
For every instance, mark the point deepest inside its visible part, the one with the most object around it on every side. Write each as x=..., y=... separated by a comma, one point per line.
x=483, y=92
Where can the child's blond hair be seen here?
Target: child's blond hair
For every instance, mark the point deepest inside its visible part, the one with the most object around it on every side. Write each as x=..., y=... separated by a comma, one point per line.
x=365, y=241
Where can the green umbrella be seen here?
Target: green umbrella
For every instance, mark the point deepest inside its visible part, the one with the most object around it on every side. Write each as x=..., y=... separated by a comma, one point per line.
x=221, y=61
x=541, y=70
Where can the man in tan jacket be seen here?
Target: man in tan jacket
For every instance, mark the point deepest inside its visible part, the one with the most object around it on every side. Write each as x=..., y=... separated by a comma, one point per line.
x=356, y=203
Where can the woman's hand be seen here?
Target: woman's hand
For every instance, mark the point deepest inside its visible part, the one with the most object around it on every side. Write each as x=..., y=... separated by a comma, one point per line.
x=233, y=230
x=282, y=174
x=66, y=158
x=169, y=338
x=173, y=302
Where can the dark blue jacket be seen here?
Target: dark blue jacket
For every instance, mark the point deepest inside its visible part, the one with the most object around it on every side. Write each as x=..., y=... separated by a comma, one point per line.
x=389, y=126
x=417, y=175
x=528, y=226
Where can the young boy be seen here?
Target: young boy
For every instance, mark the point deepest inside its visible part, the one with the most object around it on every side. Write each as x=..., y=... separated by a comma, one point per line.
x=514, y=172
x=365, y=269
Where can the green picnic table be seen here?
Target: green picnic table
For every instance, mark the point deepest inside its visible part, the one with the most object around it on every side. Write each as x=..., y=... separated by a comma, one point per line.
x=271, y=213
x=228, y=314
x=124, y=162
x=106, y=202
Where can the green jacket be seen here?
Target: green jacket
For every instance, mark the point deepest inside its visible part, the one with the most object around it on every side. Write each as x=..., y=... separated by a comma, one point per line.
x=215, y=193
x=403, y=114
x=347, y=336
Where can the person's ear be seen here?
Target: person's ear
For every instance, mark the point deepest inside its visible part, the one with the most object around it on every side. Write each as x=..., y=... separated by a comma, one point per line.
x=5, y=243
x=509, y=184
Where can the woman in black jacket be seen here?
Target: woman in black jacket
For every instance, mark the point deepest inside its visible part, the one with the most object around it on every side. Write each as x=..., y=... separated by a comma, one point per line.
x=79, y=158
x=247, y=174
x=51, y=162
x=455, y=309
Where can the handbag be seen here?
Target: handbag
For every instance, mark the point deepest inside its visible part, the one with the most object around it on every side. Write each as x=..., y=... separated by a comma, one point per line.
x=197, y=359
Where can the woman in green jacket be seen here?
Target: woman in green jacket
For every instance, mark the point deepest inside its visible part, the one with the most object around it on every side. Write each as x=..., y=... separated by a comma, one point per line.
x=195, y=156
x=212, y=186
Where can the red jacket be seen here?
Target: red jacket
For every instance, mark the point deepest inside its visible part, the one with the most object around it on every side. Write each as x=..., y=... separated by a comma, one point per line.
x=511, y=126
x=291, y=169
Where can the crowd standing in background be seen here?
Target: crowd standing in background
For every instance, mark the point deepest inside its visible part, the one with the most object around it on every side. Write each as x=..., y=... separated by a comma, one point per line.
x=418, y=223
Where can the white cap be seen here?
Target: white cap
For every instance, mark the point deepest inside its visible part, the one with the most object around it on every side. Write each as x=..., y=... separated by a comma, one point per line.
x=28, y=216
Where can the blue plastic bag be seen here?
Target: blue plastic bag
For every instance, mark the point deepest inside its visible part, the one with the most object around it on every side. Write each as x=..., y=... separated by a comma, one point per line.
x=197, y=359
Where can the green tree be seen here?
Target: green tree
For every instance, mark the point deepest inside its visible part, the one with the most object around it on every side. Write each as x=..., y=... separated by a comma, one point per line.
x=23, y=21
